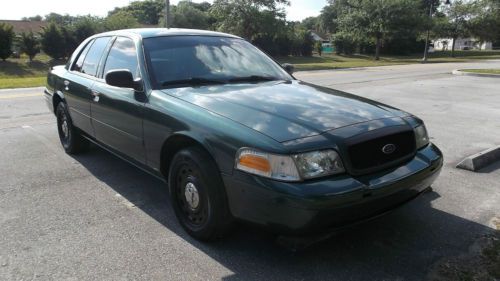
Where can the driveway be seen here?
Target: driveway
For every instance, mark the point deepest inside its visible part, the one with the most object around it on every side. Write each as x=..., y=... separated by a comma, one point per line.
x=96, y=217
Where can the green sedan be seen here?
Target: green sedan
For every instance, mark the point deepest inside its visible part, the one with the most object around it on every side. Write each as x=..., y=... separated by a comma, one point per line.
x=235, y=136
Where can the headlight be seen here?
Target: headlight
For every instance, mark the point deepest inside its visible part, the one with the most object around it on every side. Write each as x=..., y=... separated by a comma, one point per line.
x=318, y=163
x=289, y=168
x=421, y=137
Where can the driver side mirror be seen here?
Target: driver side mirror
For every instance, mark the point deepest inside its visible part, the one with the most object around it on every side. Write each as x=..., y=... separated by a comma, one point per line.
x=289, y=68
x=123, y=78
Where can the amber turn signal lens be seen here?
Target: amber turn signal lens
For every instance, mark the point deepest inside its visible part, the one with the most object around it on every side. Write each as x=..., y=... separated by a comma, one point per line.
x=255, y=162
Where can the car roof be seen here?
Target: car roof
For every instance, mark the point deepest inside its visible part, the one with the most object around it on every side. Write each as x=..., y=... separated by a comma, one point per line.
x=161, y=32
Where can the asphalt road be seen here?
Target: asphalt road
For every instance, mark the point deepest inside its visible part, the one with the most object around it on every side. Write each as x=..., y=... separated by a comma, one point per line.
x=94, y=217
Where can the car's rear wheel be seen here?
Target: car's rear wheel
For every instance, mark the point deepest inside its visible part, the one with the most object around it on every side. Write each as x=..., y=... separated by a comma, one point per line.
x=197, y=194
x=71, y=139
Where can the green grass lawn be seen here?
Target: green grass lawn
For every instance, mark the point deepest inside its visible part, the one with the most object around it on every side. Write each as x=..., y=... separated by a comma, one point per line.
x=483, y=71
x=332, y=61
x=22, y=82
x=20, y=73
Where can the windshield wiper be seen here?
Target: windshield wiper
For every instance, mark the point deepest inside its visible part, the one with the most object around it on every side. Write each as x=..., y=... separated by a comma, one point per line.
x=254, y=78
x=193, y=81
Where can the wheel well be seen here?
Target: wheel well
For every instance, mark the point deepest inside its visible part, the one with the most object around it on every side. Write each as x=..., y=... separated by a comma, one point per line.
x=171, y=147
x=55, y=101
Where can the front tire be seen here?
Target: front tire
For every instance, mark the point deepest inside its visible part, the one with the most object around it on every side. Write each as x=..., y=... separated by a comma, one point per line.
x=71, y=139
x=198, y=196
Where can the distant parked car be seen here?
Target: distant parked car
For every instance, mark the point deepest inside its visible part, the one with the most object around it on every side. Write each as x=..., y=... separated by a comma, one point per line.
x=235, y=135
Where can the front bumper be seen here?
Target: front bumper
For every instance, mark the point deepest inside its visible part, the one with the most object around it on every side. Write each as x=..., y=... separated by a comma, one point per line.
x=317, y=205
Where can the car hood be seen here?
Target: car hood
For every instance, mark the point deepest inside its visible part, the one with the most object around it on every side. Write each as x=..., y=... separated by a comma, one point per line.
x=286, y=110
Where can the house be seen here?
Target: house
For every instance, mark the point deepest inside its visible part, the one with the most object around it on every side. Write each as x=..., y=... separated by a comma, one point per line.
x=461, y=44
x=325, y=40
x=21, y=26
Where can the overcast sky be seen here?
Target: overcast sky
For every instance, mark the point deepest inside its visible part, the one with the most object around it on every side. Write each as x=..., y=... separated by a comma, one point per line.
x=15, y=10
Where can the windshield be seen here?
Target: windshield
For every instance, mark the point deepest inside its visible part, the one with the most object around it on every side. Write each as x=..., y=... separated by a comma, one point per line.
x=178, y=61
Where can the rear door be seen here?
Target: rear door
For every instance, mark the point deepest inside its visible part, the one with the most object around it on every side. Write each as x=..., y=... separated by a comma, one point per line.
x=117, y=112
x=79, y=81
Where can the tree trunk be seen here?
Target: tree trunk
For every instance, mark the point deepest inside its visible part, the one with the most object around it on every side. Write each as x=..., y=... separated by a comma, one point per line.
x=377, y=49
x=453, y=47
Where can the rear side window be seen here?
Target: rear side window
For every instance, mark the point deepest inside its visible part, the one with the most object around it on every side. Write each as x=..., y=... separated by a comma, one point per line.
x=79, y=63
x=91, y=61
x=123, y=55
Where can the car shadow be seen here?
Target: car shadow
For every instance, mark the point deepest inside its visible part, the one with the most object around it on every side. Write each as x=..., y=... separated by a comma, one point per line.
x=402, y=245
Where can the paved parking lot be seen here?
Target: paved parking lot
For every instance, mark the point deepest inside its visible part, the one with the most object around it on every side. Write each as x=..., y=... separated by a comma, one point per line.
x=94, y=217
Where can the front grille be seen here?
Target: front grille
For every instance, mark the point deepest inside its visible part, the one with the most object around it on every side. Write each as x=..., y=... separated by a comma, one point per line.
x=368, y=155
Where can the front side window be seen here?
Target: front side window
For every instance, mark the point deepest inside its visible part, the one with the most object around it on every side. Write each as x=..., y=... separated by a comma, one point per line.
x=123, y=55
x=207, y=58
x=91, y=62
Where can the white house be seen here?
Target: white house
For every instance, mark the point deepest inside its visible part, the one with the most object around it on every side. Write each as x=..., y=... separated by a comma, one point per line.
x=461, y=44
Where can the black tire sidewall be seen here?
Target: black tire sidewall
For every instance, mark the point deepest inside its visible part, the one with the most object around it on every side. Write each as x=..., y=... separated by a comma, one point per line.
x=211, y=191
x=62, y=110
x=76, y=143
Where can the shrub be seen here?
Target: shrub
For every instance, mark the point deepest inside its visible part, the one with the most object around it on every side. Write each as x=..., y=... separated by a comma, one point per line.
x=319, y=48
x=53, y=41
x=6, y=40
x=29, y=45
x=306, y=48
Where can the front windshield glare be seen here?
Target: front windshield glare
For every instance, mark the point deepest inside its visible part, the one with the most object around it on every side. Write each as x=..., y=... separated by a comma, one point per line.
x=186, y=60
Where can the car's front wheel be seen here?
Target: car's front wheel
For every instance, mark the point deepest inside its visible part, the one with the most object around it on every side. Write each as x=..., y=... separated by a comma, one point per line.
x=71, y=139
x=197, y=194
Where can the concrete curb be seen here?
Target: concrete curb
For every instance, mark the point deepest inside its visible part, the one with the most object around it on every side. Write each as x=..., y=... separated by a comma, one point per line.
x=480, y=160
x=21, y=89
x=463, y=73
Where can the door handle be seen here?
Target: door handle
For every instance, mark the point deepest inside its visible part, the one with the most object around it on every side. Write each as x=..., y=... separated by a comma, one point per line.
x=96, y=95
x=66, y=84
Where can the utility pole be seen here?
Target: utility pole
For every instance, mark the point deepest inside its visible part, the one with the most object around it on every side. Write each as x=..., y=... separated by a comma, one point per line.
x=426, y=51
x=167, y=13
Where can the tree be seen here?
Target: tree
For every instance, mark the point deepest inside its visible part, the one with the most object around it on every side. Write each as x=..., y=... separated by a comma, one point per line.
x=35, y=18
x=485, y=25
x=59, y=19
x=85, y=27
x=69, y=41
x=29, y=45
x=241, y=17
x=378, y=20
x=319, y=47
x=145, y=12
x=307, y=45
x=457, y=22
x=6, y=40
x=53, y=41
x=191, y=15
x=310, y=23
x=120, y=20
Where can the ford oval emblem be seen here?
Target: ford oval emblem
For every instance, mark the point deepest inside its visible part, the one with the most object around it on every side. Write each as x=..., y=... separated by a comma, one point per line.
x=389, y=148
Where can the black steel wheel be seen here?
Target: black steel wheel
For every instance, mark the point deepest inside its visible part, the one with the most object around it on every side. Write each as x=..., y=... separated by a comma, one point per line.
x=198, y=195
x=71, y=139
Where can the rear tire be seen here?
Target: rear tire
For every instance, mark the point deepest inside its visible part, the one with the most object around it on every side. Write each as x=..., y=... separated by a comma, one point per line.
x=71, y=139
x=198, y=195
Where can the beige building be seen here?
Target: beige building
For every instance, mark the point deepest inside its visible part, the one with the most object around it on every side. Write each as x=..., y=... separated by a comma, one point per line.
x=461, y=44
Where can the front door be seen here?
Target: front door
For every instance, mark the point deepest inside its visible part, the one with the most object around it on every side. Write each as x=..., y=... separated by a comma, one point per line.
x=117, y=112
x=79, y=81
